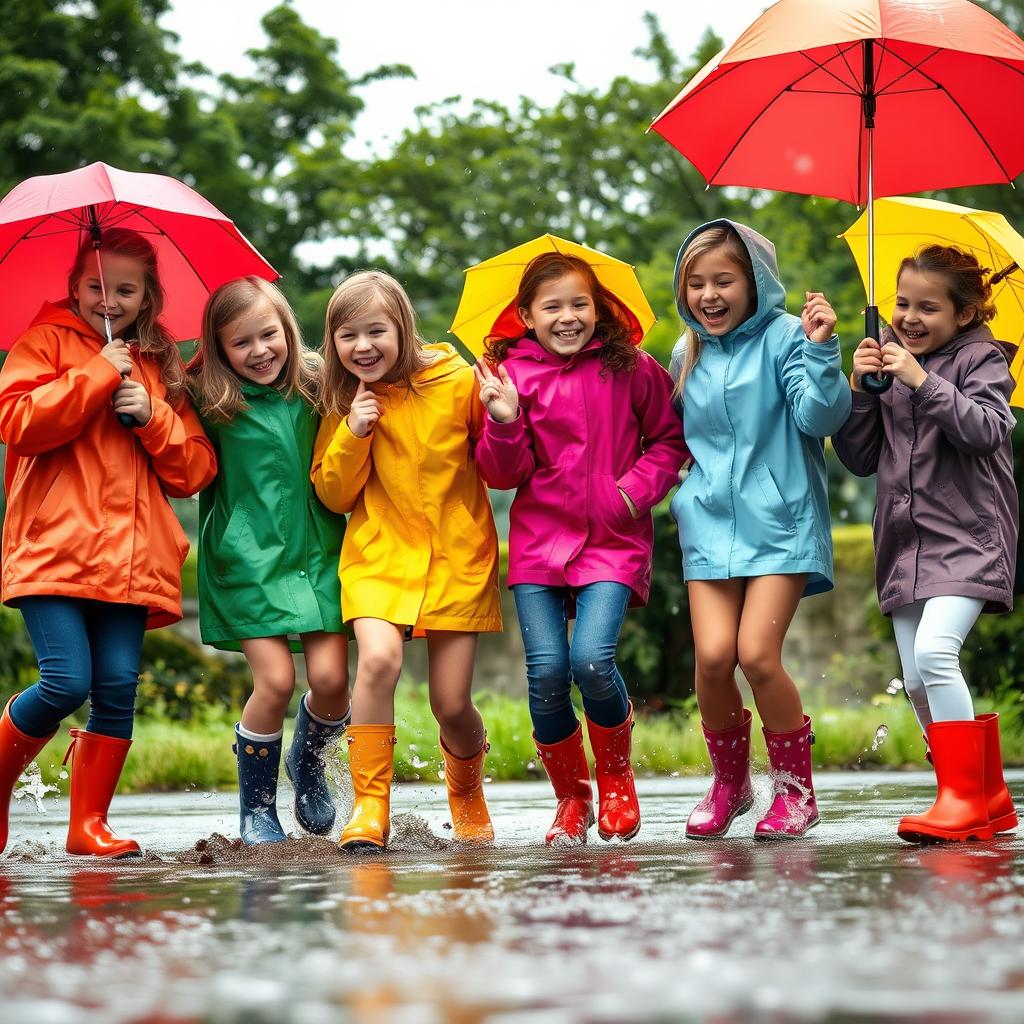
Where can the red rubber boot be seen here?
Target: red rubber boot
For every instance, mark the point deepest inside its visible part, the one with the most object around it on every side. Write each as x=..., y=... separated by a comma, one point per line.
x=96, y=765
x=17, y=752
x=618, y=808
x=960, y=811
x=1002, y=815
x=566, y=765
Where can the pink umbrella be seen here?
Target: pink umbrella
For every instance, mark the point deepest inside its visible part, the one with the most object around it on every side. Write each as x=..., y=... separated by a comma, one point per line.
x=44, y=220
x=856, y=99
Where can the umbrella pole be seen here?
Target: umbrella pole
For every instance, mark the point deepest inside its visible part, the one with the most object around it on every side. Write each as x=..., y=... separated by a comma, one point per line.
x=94, y=230
x=873, y=383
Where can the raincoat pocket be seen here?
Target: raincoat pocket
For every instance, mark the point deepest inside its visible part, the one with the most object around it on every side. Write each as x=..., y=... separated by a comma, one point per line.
x=612, y=508
x=467, y=546
x=226, y=556
x=773, y=498
x=966, y=514
x=49, y=507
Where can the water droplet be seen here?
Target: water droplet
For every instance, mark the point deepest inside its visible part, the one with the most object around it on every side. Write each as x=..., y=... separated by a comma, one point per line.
x=531, y=766
x=895, y=685
x=880, y=733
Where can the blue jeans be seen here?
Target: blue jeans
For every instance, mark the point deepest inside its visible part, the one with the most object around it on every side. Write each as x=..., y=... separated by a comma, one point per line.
x=87, y=650
x=552, y=663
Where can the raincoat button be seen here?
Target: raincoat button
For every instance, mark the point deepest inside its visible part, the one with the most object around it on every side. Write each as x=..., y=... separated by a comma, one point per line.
x=302, y=572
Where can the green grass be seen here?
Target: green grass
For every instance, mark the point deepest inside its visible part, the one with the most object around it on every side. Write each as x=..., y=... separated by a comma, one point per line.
x=172, y=756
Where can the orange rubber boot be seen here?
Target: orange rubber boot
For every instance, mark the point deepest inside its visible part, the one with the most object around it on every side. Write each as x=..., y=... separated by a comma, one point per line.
x=1002, y=816
x=96, y=765
x=566, y=765
x=618, y=812
x=17, y=751
x=371, y=761
x=960, y=811
x=471, y=823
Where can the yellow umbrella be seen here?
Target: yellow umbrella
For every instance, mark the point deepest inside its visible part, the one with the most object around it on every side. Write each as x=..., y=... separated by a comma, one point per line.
x=491, y=287
x=902, y=225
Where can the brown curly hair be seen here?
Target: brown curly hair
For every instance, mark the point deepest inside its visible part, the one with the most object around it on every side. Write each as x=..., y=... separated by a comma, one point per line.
x=614, y=322
x=965, y=278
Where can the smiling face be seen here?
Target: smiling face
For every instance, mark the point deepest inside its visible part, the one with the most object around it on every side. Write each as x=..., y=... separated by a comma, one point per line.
x=124, y=278
x=255, y=344
x=562, y=314
x=925, y=317
x=718, y=293
x=368, y=346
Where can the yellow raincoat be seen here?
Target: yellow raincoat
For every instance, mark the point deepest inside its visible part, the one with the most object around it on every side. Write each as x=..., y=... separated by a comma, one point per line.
x=420, y=549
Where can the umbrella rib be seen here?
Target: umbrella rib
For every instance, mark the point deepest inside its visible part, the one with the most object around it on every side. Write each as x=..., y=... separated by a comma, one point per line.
x=158, y=231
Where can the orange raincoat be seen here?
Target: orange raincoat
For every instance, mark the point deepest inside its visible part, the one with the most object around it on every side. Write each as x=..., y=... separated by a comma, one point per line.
x=420, y=549
x=87, y=511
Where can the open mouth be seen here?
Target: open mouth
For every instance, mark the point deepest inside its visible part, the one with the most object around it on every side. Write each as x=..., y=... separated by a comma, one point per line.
x=914, y=335
x=569, y=335
x=714, y=315
x=263, y=367
x=367, y=362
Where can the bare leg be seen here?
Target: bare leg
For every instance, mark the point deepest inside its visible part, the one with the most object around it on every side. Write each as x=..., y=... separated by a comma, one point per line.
x=451, y=682
x=377, y=669
x=715, y=610
x=327, y=671
x=273, y=683
x=768, y=609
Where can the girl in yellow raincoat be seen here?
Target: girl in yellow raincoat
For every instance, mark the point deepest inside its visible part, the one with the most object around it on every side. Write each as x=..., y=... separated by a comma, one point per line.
x=396, y=451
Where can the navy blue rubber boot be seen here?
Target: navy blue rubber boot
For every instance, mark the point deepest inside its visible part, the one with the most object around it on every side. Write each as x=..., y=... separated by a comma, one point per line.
x=304, y=763
x=258, y=765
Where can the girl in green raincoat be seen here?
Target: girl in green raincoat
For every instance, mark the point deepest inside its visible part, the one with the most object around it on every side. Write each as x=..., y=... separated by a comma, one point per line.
x=268, y=550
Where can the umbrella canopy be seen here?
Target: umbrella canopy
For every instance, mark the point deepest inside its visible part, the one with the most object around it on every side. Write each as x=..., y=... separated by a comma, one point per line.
x=44, y=220
x=903, y=224
x=788, y=105
x=489, y=292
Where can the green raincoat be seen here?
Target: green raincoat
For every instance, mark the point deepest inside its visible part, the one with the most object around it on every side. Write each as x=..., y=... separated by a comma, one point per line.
x=268, y=549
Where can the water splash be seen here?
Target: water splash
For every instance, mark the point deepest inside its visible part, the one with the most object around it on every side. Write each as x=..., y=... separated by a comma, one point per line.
x=895, y=685
x=880, y=734
x=32, y=785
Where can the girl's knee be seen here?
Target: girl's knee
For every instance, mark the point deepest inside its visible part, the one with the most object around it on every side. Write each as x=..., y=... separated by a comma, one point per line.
x=379, y=669
x=275, y=688
x=717, y=665
x=68, y=692
x=330, y=685
x=760, y=665
x=451, y=711
x=596, y=676
x=938, y=663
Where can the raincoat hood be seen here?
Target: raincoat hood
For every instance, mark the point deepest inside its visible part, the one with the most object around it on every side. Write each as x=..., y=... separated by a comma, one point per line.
x=446, y=362
x=771, y=295
x=60, y=314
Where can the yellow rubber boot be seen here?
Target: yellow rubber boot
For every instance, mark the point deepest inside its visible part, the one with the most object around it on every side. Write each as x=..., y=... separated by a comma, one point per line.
x=464, y=778
x=371, y=760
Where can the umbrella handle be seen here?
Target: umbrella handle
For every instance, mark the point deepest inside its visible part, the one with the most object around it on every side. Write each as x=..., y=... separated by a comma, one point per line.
x=874, y=383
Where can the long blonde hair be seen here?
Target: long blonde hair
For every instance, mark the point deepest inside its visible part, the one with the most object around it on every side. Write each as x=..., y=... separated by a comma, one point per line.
x=718, y=237
x=216, y=388
x=154, y=340
x=354, y=299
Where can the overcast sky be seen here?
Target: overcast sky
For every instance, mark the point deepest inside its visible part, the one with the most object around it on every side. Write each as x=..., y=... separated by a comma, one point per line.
x=471, y=48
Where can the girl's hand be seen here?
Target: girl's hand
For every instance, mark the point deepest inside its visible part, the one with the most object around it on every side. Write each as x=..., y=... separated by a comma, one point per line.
x=633, y=510
x=818, y=318
x=903, y=366
x=116, y=353
x=132, y=398
x=867, y=358
x=364, y=412
x=497, y=392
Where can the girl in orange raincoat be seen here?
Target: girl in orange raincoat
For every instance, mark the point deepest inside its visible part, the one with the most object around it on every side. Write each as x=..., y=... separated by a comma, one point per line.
x=396, y=450
x=92, y=552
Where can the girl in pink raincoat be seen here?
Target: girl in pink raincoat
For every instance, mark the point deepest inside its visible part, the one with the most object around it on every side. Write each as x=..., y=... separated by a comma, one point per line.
x=581, y=423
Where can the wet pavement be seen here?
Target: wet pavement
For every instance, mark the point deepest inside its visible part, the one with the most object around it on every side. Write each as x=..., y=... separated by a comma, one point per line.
x=849, y=925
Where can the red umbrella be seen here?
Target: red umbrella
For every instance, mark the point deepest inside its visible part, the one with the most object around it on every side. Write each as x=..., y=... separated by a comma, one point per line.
x=855, y=99
x=44, y=220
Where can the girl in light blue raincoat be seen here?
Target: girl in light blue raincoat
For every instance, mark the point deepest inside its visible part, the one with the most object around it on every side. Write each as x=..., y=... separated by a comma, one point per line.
x=759, y=389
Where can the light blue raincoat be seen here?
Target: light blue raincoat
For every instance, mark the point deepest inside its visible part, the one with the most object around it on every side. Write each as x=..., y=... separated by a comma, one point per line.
x=756, y=407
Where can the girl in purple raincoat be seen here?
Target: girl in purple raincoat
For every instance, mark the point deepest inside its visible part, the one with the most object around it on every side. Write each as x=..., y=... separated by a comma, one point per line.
x=581, y=423
x=946, y=518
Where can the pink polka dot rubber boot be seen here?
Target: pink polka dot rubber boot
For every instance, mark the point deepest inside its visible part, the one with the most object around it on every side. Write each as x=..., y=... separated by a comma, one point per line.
x=730, y=794
x=794, y=810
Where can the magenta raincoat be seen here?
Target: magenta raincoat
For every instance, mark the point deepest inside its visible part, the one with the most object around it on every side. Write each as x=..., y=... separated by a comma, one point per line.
x=583, y=433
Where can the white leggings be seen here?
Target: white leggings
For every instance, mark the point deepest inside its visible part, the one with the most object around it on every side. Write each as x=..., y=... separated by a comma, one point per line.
x=929, y=635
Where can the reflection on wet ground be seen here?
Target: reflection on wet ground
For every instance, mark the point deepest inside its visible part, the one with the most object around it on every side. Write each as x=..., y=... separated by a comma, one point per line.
x=850, y=925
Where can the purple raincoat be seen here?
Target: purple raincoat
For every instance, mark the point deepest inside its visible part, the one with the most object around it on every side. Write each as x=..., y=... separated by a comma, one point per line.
x=946, y=517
